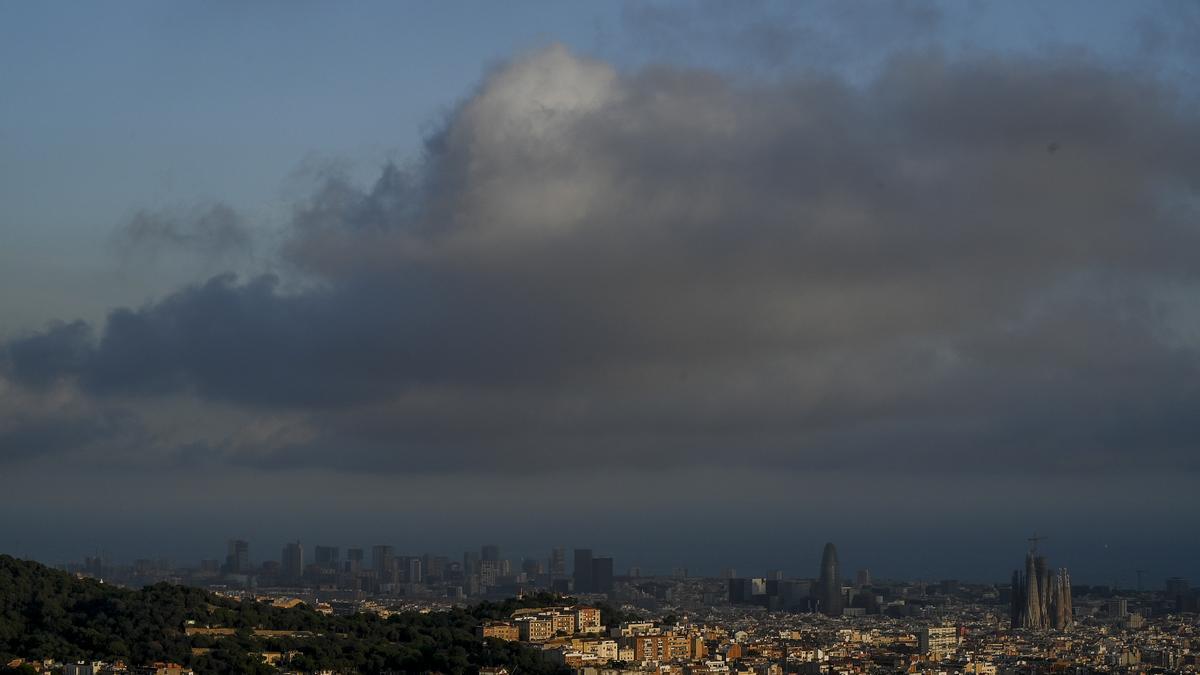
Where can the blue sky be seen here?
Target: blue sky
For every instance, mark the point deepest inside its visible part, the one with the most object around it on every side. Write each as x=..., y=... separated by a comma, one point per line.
x=109, y=109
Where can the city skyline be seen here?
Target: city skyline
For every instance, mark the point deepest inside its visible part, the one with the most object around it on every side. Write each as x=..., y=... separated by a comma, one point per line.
x=675, y=623
x=371, y=556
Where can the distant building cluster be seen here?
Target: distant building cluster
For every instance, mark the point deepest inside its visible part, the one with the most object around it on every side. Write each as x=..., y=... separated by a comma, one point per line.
x=381, y=571
x=947, y=628
x=97, y=667
x=546, y=623
x=825, y=594
x=683, y=624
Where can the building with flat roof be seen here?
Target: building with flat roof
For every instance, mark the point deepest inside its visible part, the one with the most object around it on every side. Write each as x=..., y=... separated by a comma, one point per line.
x=291, y=564
x=938, y=643
x=583, y=570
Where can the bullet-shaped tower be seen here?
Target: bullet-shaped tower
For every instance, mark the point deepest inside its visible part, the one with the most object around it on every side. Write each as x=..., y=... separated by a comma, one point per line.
x=829, y=587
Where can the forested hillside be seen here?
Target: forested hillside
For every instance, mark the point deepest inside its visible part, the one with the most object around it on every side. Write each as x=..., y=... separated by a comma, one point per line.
x=45, y=613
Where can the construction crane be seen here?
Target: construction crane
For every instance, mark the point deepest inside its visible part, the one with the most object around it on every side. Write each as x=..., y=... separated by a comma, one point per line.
x=1033, y=542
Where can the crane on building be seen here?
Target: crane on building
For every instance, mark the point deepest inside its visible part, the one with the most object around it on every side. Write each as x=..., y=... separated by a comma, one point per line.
x=1033, y=542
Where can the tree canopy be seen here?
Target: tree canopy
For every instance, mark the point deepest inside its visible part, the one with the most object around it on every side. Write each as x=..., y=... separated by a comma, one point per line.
x=46, y=613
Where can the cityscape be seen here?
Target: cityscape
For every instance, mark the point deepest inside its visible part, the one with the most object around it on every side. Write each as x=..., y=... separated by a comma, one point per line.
x=599, y=337
x=595, y=620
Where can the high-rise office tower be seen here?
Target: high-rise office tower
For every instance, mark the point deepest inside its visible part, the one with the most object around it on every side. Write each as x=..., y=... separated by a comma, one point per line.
x=862, y=578
x=433, y=567
x=583, y=570
x=829, y=586
x=238, y=559
x=489, y=553
x=531, y=567
x=558, y=562
x=411, y=570
x=470, y=564
x=739, y=590
x=292, y=563
x=354, y=560
x=383, y=561
x=326, y=556
x=1178, y=593
x=489, y=573
x=1117, y=608
x=602, y=575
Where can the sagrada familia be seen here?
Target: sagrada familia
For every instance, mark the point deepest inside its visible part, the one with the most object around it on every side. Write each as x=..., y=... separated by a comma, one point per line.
x=1038, y=601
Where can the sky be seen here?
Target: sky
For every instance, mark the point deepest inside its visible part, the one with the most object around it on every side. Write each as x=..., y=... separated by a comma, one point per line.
x=695, y=284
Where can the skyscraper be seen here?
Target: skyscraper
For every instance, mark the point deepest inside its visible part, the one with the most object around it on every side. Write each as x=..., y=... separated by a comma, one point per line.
x=354, y=560
x=558, y=562
x=238, y=559
x=470, y=564
x=602, y=575
x=829, y=587
x=292, y=563
x=489, y=553
x=862, y=578
x=583, y=570
x=383, y=559
x=1178, y=593
x=433, y=567
x=326, y=556
x=411, y=570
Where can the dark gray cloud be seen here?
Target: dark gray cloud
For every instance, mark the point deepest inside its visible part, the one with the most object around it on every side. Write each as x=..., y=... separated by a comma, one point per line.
x=61, y=434
x=42, y=359
x=961, y=265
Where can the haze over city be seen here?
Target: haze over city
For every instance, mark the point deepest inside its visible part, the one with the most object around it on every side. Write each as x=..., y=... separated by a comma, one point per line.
x=704, y=284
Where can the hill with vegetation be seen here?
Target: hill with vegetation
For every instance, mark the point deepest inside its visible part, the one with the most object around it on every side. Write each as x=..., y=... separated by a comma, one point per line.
x=45, y=613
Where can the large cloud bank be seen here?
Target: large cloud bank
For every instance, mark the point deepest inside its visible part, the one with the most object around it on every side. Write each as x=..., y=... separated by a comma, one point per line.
x=965, y=265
